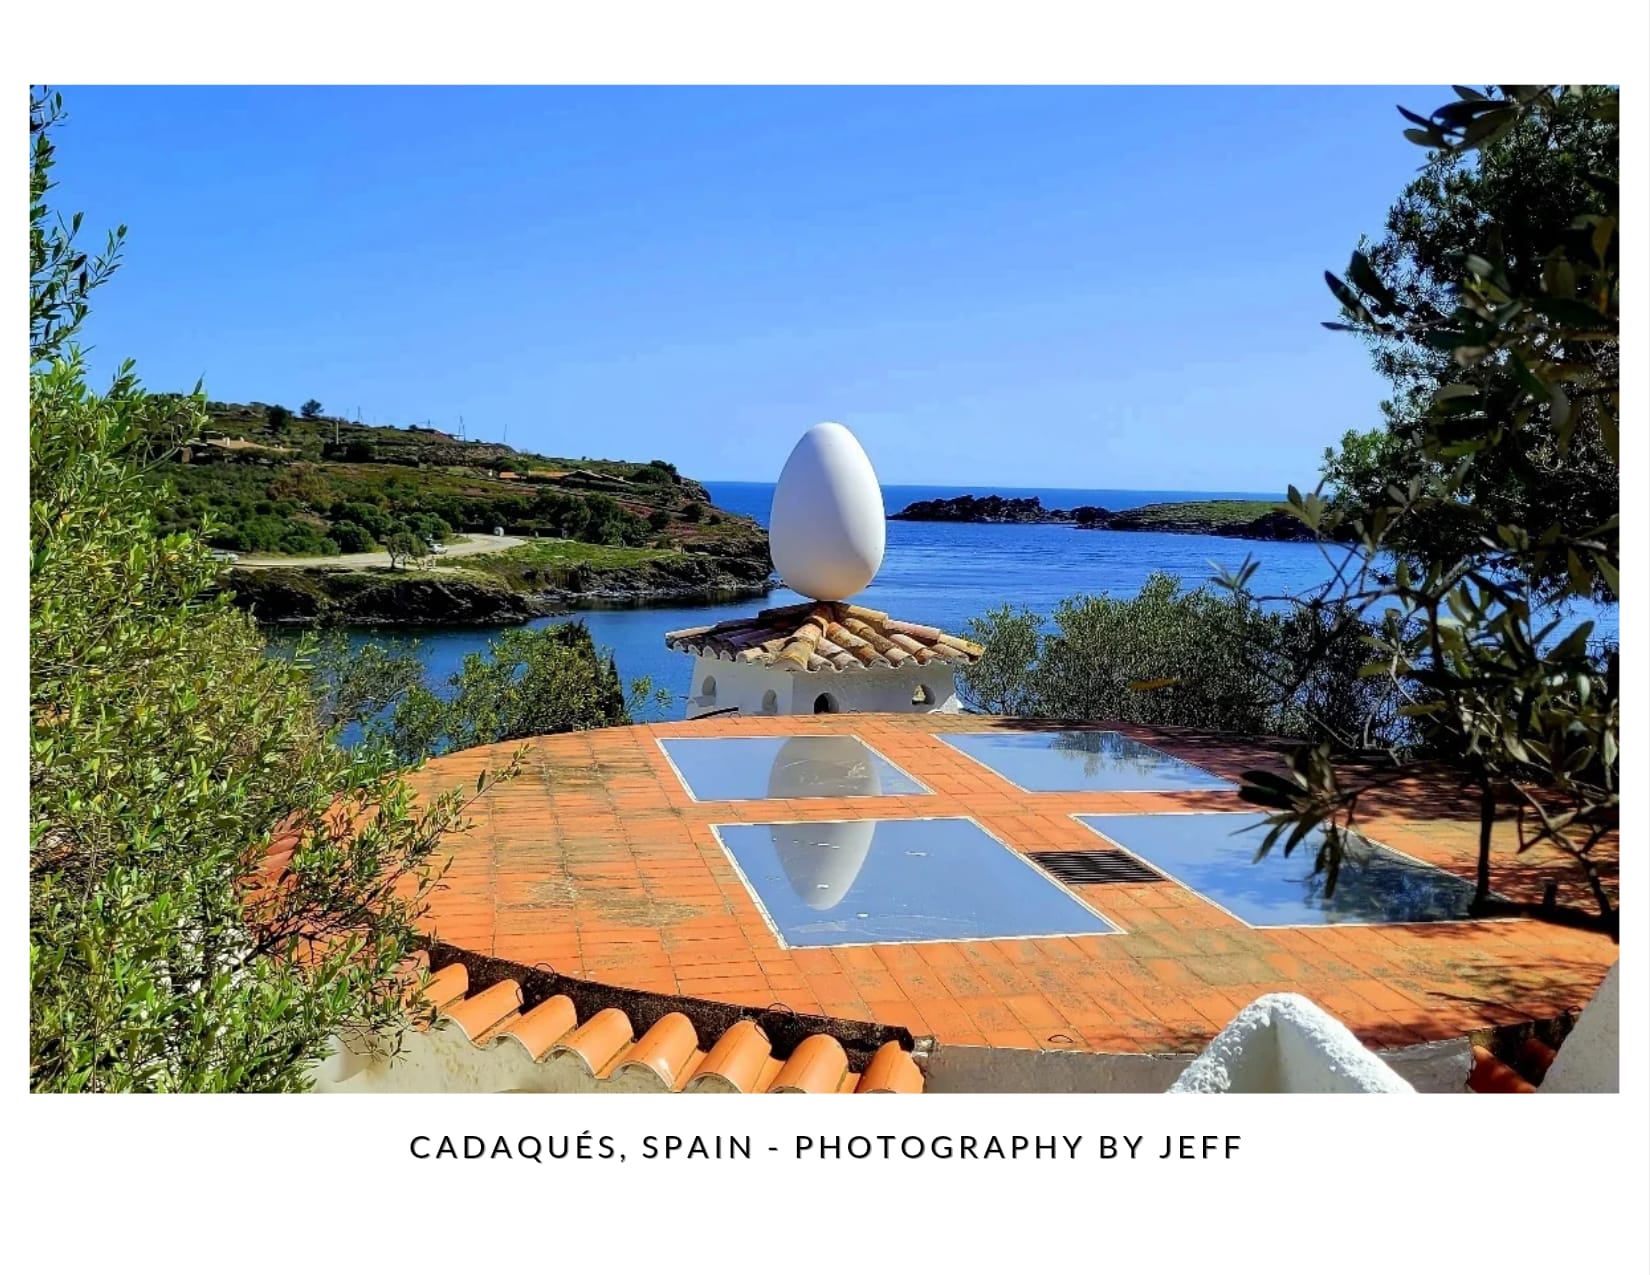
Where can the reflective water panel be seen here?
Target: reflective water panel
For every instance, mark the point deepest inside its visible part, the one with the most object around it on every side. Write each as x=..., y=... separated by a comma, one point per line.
x=790, y=766
x=1082, y=761
x=1214, y=855
x=898, y=881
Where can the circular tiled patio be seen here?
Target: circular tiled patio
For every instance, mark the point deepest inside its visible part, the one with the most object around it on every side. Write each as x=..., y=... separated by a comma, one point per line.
x=599, y=862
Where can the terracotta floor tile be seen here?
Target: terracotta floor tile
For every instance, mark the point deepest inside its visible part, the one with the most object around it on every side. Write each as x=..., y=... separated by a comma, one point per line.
x=596, y=859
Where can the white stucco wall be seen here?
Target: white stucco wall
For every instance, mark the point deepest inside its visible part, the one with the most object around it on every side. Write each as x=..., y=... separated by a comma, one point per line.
x=1283, y=1043
x=1589, y=1060
x=442, y=1060
x=746, y=687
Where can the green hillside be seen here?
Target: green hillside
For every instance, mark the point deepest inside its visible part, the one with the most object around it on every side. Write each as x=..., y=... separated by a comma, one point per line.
x=267, y=481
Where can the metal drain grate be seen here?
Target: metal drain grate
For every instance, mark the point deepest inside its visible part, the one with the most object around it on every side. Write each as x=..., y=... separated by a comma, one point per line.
x=1095, y=867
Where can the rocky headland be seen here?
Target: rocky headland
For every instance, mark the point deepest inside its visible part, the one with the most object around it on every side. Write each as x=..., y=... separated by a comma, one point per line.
x=505, y=588
x=1239, y=519
x=999, y=509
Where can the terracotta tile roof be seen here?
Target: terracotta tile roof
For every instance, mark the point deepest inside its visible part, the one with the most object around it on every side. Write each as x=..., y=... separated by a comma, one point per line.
x=1522, y=1072
x=669, y=1056
x=824, y=637
x=1491, y=1075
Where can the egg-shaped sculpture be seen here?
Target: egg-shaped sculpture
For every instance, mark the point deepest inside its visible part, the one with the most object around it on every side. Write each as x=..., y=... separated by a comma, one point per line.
x=827, y=528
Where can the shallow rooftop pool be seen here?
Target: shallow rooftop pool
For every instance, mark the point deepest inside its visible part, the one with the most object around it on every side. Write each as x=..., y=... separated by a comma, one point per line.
x=759, y=767
x=898, y=881
x=1214, y=855
x=1082, y=761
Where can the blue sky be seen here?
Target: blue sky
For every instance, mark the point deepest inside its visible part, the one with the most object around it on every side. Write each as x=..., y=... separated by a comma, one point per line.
x=1112, y=287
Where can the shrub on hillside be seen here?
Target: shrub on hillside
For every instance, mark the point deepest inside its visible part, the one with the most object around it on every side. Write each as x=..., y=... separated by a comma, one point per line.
x=351, y=537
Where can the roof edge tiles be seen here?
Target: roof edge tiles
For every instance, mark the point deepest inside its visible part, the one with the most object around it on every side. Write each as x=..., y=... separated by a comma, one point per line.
x=824, y=637
x=607, y=1050
x=687, y=1046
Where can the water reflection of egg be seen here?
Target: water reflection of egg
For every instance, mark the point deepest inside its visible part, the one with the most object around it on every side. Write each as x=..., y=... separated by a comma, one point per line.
x=823, y=766
x=822, y=860
x=827, y=527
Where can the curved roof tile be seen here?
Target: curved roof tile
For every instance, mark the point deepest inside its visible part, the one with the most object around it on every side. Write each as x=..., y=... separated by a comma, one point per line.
x=669, y=1056
x=824, y=637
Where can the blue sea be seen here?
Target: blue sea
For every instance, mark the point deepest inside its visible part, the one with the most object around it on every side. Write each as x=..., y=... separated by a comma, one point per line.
x=946, y=573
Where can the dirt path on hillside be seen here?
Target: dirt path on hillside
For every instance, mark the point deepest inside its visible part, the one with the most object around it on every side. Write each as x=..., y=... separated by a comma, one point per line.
x=461, y=548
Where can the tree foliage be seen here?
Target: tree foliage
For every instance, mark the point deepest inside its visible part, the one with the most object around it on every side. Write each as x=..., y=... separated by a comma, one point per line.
x=62, y=276
x=1177, y=657
x=254, y=505
x=542, y=681
x=1495, y=311
x=168, y=755
x=1506, y=202
x=404, y=547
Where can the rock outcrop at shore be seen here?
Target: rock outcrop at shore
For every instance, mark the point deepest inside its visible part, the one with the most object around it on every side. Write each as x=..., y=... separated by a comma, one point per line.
x=999, y=509
x=689, y=578
x=321, y=595
x=1239, y=519
x=305, y=595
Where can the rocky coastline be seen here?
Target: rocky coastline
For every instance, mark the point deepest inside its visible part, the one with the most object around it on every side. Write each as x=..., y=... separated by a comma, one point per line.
x=1018, y=510
x=379, y=596
x=1237, y=519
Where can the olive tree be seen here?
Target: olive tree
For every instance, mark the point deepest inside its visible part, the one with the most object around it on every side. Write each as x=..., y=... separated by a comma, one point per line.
x=216, y=889
x=1506, y=363
x=403, y=547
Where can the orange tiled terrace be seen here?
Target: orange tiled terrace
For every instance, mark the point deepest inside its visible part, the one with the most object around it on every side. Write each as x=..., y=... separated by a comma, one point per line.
x=599, y=862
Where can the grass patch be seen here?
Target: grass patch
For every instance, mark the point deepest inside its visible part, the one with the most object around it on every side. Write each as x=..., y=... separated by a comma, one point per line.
x=560, y=562
x=1214, y=513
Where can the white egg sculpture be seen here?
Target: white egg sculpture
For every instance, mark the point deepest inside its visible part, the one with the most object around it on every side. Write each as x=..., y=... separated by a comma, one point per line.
x=827, y=528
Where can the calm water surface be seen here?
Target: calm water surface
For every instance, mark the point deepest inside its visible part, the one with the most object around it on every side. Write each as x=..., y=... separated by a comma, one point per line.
x=944, y=574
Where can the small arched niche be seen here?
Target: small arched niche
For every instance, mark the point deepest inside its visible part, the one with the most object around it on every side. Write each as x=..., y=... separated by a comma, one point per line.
x=770, y=703
x=707, y=691
x=922, y=697
x=825, y=702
